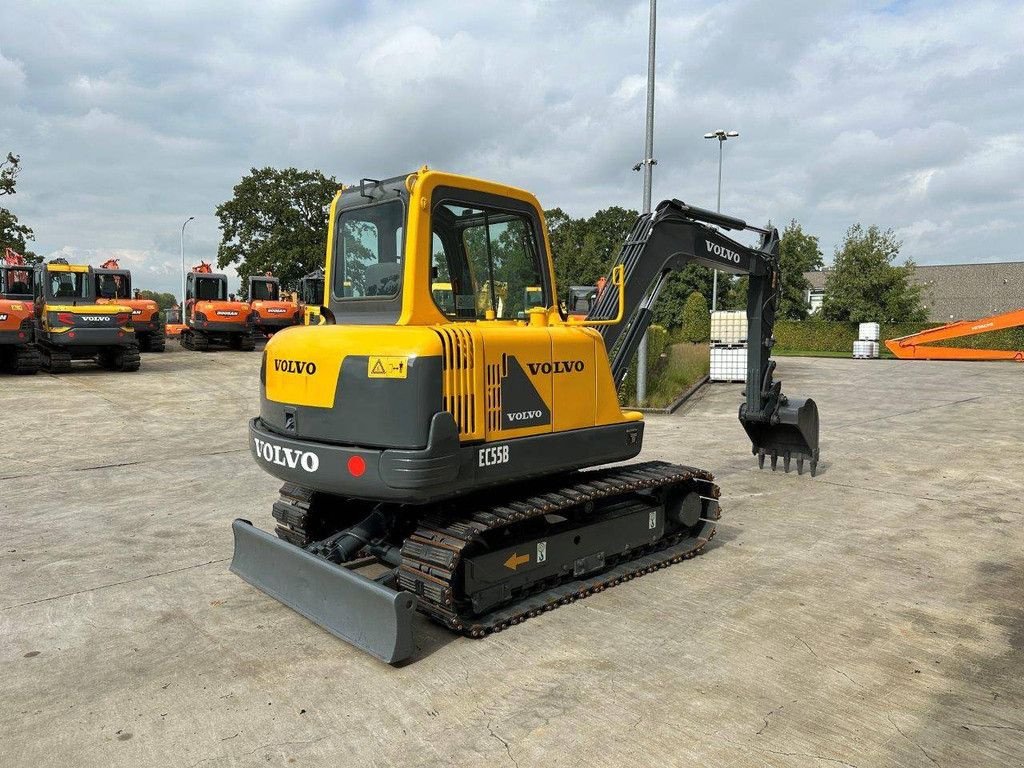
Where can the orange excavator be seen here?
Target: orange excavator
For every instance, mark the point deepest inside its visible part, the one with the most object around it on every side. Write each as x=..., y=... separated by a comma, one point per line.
x=211, y=317
x=272, y=313
x=18, y=353
x=916, y=345
x=114, y=286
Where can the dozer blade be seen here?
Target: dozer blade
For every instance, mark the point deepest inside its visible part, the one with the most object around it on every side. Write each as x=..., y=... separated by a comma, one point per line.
x=350, y=606
x=795, y=435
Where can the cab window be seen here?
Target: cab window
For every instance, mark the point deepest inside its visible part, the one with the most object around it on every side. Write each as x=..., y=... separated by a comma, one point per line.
x=368, y=255
x=263, y=290
x=485, y=259
x=68, y=285
x=111, y=287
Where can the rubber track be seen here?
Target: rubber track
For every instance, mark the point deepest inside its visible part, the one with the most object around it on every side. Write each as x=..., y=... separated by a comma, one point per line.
x=56, y=360
x=431, y=556
x=130, y=359
x=26, y=360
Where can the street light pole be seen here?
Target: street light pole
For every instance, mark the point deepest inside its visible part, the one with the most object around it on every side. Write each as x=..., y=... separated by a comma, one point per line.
x=648, y=164
x=182, y=305
x=722, y=136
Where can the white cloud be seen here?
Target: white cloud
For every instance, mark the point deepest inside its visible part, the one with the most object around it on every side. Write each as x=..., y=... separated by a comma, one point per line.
x=131, y=117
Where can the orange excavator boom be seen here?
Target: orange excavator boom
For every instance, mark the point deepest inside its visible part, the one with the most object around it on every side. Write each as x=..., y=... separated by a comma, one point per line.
x=914, y=346
x=12, y=258
x=204, y=267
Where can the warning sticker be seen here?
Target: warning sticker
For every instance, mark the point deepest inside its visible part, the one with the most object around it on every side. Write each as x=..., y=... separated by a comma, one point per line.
x=387, y=367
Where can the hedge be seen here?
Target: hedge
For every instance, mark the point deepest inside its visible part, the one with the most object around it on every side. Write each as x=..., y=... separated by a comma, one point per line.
x=828, y=336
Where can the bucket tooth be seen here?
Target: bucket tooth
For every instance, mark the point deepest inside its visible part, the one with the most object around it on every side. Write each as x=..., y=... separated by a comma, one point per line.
x=799, y=463
x=775, y=460
x=760, y=458
x=785, y=461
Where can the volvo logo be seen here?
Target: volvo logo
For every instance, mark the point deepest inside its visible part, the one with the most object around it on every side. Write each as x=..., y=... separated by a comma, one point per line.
x=559, y=366
x=524, y=415
x=286, y=457
x=94, y=318
x=295, y=366
x=723, y=252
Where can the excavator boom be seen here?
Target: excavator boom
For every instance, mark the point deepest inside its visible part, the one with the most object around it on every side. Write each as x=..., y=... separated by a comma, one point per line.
x=913, y=347
x=676, y=234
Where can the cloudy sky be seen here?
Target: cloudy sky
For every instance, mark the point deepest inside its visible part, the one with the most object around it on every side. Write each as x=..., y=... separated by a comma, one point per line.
x=130, y=117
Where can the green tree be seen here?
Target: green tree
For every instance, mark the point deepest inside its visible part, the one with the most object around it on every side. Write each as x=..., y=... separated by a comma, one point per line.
x=798, y=253
x=277, y=222
x=866, y=286
x=163, y=300
x=13, y=234
x=696, y=319
x=584, y=249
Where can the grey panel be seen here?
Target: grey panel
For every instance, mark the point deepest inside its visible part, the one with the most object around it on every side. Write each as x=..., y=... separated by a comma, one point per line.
x=382, y=413
x=422, y=476
x=362, y=612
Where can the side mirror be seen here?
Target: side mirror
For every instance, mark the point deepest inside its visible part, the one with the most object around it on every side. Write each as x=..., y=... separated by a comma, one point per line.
x=328, y=316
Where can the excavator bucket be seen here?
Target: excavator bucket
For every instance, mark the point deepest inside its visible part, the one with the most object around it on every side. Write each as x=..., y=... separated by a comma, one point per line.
x=359, y=610
x=794, y=435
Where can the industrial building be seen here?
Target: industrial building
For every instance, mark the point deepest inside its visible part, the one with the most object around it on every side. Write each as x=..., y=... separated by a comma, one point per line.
x=953, y=291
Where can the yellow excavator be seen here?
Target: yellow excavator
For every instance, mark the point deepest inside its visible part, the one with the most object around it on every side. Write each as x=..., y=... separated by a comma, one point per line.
x=444, y=444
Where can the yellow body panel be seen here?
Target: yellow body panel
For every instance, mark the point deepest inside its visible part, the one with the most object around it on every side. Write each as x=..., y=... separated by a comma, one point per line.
x=89, y=309
x=67, y=267
x=321, y=346
x=81, y=309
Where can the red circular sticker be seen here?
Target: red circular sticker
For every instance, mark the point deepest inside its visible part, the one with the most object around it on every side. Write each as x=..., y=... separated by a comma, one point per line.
x=356, y=466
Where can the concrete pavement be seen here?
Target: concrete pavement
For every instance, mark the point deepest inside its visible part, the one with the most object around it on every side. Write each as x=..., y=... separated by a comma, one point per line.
x=872, y=616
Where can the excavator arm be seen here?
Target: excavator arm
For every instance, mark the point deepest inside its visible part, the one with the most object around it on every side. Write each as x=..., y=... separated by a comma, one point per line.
x=915, y=346
x=676, y=234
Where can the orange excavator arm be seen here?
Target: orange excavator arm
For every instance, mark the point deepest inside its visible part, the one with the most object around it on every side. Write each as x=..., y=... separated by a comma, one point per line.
x=913, y=347
x=12, y=258
x=204, y=267
x=111, y=264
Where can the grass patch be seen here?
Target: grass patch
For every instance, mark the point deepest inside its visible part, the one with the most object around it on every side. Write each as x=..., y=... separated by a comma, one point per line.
x=685, y=364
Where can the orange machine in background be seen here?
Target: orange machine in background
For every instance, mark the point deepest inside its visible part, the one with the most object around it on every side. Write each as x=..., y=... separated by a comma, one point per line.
x=211, y=317
x=18, y=353
x=114, y=286
x=173, y=326
x=915, y=346
x=272, y=314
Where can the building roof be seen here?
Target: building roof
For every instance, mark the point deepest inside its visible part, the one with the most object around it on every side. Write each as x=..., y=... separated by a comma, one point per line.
x=961, y=291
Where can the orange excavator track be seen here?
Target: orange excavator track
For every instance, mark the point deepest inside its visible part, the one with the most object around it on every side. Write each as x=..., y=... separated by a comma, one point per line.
x=916, y=346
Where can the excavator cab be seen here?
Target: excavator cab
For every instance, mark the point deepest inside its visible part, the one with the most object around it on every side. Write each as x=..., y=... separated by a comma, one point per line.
x=439, y=422
x=15, y=283
x=206, y=287
x=264, y=289
x=311, y=297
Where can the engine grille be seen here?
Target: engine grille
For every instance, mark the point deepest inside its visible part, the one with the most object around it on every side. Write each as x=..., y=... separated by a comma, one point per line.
x=459, y=372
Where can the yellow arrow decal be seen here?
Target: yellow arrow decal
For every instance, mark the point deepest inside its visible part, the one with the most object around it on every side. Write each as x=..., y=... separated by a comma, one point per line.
x=514, y=561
